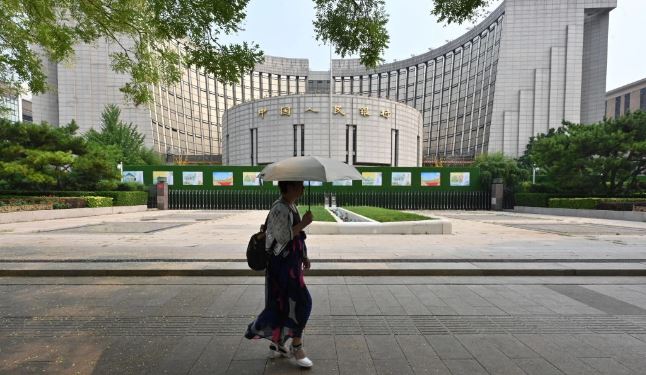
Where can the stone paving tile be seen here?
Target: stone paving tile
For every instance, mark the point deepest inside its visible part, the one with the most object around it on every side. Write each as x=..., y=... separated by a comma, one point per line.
x=183, y=356
x=397, y=366
x=492, y=359
x=353, y=355
x=565, y=361
x=465, y=367
x=216, y=356
x=607, y=366
x=247, y=367
x=448, y=347
x=537, y=366
x=420, y=355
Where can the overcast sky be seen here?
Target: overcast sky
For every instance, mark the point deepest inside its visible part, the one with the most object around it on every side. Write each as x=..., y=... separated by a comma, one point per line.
x=284, y=28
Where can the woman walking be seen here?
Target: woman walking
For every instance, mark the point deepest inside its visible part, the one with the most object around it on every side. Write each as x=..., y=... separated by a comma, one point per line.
x=287, y=301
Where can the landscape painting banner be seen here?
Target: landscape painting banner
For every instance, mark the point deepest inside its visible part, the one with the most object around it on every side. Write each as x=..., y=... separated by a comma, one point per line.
x=167, y=174
x=312, y=183
x=133, y=176
x=222, y=178
x=400, y=179
x=460, y=178
x=250, y=179
x=192, y=178
x=430, y=179
x=371, y=178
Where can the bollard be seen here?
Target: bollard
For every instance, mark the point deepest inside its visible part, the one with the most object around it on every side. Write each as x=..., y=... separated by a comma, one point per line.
x=162, y=193
x=497, y=189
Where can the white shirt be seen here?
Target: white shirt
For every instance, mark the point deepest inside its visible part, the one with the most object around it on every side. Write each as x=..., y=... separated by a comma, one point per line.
x=279, y=226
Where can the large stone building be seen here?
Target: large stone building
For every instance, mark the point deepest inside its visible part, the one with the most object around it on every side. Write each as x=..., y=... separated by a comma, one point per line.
x=359, y=130
x=521, y=71
x=630, y=97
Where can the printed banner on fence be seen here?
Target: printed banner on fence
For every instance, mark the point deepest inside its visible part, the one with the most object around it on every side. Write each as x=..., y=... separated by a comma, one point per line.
x=460, y=178
x=222, y=178
x=400, y=179
x=192, y=178
x=430, y=179
x=133, y=176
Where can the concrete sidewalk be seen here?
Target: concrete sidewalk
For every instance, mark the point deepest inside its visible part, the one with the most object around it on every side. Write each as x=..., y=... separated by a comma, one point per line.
x=377, y=325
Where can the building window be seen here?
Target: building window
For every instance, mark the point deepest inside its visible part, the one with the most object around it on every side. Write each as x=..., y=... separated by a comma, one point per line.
x=626, y=103
x=642, y=99
x=617, y=106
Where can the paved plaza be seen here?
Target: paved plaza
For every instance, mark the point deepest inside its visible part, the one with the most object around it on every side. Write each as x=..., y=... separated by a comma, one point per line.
x=376, y=325
x=534, y=322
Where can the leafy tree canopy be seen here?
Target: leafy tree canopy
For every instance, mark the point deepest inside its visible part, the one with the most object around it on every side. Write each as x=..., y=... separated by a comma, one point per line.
x=124, y=139
x=162, y=34
x=497, y=165
x=604, y=158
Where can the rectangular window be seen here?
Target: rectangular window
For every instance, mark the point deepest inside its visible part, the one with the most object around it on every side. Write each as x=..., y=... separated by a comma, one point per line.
x=302, y=140
x=642, y=99
x=295, y=140
x=617, y=106
x=252, y=146
x=626, y=103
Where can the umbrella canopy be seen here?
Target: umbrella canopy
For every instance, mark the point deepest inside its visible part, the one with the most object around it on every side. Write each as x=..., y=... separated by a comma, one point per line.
x=309, y=168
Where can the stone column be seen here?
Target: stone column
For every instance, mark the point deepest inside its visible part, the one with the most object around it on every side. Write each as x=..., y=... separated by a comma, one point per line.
x=162, y=193
x=497, y=190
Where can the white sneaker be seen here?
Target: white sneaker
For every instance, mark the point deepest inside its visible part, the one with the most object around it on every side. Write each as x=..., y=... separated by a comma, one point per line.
x=302, y=362
x=277, y=351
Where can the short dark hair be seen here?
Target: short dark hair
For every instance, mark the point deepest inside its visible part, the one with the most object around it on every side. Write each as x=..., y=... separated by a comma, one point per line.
x=284, y=185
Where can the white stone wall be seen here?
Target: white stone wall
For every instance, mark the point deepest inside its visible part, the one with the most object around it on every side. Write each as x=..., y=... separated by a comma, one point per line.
x=552, y=66
x=82, y=87
x=275, y=132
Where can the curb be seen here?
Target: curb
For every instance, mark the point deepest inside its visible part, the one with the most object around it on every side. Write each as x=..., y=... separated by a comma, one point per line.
x=319, y=272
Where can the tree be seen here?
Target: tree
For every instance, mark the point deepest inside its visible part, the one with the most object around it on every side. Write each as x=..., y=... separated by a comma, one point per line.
x=605, y=158
x=126, y=141
x=163, y=35
x=497, y=165
x=42, y=157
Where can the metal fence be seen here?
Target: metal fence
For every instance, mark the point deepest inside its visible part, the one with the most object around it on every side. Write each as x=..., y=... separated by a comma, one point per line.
x=262, y=200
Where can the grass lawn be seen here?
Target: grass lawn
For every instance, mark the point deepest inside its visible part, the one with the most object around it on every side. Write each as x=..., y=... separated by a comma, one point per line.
x=320, y=213
x=384, y=215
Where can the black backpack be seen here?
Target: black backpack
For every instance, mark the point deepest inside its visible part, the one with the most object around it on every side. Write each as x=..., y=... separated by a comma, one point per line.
x=257, y=256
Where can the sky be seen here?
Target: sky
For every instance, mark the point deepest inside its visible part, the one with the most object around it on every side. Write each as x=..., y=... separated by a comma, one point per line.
x=295, y=36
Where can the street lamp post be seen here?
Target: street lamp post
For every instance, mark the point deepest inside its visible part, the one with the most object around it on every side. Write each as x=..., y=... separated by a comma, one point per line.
x=534, y=169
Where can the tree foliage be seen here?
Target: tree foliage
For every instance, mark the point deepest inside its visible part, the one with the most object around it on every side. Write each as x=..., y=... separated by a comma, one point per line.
x=41, y=157
x=124, y=140
x=605, y=158
x=497, y=165
x=353, y=26
x=154, y=38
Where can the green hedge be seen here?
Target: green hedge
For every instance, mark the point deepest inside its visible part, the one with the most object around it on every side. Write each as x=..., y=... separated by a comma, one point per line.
x=125, y=198
x=98, y=201
x=589, y=203
x=532, y=199
x=576, y=203
x=120, y=198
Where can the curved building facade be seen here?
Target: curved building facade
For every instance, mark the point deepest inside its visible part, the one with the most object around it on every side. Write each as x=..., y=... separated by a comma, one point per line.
x=523, y=70
x=357, y=130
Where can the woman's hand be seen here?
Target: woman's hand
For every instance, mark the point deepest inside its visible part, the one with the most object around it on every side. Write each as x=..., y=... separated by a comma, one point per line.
x=307, y=218
x=306, y=264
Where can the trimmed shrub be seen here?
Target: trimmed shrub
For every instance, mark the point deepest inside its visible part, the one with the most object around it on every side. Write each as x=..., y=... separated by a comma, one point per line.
x=576, y=203
x=98, y=201
x=125, y=198
x=532, y=199
x=120, y=198
x=60, y=206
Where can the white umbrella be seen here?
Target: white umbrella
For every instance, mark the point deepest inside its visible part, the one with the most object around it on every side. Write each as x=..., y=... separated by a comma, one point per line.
x=309, y=168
